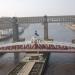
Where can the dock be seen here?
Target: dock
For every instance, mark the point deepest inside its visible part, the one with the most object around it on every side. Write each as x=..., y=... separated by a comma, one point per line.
x=30, y=66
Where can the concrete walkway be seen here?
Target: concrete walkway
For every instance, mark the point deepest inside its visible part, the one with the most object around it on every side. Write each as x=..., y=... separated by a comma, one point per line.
x=26, y=69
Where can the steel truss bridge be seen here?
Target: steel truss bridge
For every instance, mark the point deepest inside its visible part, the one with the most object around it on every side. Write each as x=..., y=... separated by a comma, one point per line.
x=6, y=22
x=44, y=46
x=38, y=47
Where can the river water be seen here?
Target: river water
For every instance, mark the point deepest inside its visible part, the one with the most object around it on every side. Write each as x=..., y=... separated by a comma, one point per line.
x=59, y=63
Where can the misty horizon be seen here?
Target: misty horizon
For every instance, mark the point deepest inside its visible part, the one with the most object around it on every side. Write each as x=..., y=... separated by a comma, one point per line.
x=26, y=8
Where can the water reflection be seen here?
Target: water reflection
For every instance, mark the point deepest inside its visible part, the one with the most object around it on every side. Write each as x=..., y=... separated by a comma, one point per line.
x=62, y=58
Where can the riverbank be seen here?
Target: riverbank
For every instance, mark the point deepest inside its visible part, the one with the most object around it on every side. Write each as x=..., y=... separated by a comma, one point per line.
x=7, y=62
x=72, y=27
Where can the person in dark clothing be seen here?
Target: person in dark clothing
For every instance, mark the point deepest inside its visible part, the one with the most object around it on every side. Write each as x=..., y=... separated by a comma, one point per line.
x=36, y=33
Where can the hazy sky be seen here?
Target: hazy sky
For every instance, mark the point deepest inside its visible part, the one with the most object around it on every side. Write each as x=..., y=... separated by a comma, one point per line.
x=36, y=7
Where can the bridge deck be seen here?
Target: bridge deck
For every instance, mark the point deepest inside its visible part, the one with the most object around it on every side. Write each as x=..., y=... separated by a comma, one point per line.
x=6, y=22
x=39, y=51
x=43, y=46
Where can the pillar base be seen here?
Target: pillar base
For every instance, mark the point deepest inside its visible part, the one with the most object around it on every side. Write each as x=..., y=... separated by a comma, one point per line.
x=16, y=57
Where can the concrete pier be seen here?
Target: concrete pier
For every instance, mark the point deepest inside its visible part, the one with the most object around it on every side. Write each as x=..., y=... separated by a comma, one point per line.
x=16, y=58
x=45, y=28
x=15, y=36
x=15, y=30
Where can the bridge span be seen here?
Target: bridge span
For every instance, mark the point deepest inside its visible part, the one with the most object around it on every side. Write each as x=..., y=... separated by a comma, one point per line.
x=38, y=47
x=6, y=22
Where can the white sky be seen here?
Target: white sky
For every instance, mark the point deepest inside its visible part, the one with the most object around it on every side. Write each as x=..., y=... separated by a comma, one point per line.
x=36, y=7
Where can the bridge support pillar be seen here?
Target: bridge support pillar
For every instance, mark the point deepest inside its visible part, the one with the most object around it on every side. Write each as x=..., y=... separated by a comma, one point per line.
x=16, y=57
x=15, y=30
x=45, y=28
x=15, y=37
x=47, y=55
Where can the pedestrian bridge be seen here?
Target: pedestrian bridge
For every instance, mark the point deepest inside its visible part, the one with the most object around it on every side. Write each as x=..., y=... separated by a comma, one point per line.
x=38, y=47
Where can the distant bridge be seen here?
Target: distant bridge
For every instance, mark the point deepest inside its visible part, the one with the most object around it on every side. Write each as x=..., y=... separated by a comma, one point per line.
x=6, y=22
x=38, y=47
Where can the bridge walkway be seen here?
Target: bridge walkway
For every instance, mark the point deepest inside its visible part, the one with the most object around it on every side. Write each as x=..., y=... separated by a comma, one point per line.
x=43, y=46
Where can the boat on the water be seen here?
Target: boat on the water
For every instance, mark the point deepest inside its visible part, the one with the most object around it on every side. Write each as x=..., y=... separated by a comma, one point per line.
x=7, y=34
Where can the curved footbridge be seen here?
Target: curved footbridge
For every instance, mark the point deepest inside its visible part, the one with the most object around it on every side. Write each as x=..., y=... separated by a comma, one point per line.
x=38, y=47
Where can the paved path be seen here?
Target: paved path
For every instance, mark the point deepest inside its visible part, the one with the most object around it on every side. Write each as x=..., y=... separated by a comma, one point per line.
x=26, y=69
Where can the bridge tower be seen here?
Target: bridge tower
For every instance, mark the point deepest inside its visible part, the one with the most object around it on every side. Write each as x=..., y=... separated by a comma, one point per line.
x=15, y=36
x=45, y=28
